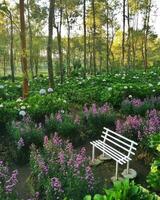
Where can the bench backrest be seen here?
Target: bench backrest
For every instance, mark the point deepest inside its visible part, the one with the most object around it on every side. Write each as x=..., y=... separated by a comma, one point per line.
x=119, y=142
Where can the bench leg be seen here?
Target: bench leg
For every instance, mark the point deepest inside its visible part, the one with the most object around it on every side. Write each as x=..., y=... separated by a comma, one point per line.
x=116, y=175
x=128, y=167
x=93, y=152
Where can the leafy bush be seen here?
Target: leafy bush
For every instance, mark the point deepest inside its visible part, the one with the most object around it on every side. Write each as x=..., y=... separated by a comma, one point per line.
x=24, y=133
x=43, y=105
x=124, y=190
x=8, y=182
x=59, y=172
x=154, y=175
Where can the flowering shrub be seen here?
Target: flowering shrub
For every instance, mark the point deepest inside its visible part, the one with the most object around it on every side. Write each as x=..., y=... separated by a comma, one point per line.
x=8, y=182
x=59, y=172
x=152, y=124
x=96, y=118
x=135, y=107
x=137, y=127
x=132, y=127
x=25, y=133
x=66, y=125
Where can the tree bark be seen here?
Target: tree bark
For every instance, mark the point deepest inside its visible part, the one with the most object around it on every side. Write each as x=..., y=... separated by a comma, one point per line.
x=50, y=40
x=123, y=36
x=11, y=48
x=107, y=38
x=68, y=48
x=24, y=54
x=128, y=39
x=30, y=41
x=94, y=36
x=60, y=45
x=146, y=30
x=85, y=39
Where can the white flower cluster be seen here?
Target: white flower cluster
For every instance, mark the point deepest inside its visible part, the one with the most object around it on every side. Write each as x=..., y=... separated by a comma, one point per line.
x=42, y=92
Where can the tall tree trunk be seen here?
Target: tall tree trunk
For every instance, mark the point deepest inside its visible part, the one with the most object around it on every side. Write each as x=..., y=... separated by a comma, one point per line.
x=50, y=43
x=90, y=54
x=30, y=40
x=133, y=50
x=107, y=37
x=68, y=48
x=24, y=54
x=59, y=38
x=146, y=29
x=94, y=36
x=84, y=37
x=4, y=64
x=123, y=36
x=11, y=48
x=128, y=39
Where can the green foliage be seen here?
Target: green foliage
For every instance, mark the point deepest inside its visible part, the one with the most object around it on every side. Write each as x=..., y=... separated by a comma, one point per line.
x=43, y=105
x=154, y=175
x=25, y=133
x=124, y=190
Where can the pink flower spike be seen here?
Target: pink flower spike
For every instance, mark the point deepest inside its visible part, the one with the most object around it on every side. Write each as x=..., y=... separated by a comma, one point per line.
x=45, y=140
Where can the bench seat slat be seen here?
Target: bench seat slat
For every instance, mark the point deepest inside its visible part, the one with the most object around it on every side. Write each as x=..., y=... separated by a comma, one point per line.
x=107, y=130
x=109, y=135
x=124, y=158
x=128, y=150
x=114, y=151
x=98, y=146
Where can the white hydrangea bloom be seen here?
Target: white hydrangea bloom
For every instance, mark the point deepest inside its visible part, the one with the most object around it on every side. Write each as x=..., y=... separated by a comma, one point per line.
x=42, y=92
x=22, y=113
x=130, y=96
x=50, y=90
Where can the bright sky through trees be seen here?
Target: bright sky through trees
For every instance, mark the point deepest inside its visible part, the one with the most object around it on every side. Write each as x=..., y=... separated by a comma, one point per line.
x=155, y=18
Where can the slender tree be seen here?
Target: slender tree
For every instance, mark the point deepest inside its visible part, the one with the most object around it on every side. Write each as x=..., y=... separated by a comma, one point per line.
x=94, y=35
x=50, y=42
x=128, y=39
x=146, y=32
x=107, y=59
x=23, y=48
x=84, y=37
x=123, y=36
x=30, y=39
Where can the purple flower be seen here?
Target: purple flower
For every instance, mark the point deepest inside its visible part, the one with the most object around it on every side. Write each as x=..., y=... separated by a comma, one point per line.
x=89, y=177
x=94, y=109
x=61, y=158
x=58, y=117
x=56, y=140
x=20, y=143
x=11, y=182
x=153, y=122
x=56, y=184
x=136, y=102
x=119, y=126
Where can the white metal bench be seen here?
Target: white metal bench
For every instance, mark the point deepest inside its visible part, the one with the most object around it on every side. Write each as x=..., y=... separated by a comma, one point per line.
x=116, y=146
